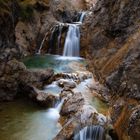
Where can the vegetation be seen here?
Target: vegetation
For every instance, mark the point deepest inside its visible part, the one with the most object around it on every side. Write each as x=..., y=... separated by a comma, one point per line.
x=26, y=12
x=19, y=8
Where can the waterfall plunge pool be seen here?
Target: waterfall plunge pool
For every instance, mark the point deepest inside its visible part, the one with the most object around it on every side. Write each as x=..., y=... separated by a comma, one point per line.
x=56, y=62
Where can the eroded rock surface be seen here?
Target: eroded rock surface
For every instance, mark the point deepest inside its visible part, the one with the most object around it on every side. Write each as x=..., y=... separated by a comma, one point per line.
x=111, y=32
x=14, y=76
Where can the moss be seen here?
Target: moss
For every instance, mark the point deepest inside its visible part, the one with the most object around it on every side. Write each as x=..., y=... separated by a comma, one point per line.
x=26, y=12
x=4, y=6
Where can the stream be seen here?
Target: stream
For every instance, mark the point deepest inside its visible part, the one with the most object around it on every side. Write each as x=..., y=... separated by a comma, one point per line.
x=24, y=120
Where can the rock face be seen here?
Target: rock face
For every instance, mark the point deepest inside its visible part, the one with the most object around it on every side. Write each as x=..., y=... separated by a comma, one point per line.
x=9, y=75
x=25, y=25
x=111, y=33
x=45, y=15
x=8, y=20
x=14, y=76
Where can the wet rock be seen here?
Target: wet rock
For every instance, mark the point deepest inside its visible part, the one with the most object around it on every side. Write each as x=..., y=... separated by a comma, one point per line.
x=85, y=116
x=36, y=77
x=76, y=114
x=42, y=98
x=66, y=83
x=72, y=104
x=46, y=100
x=14, y=76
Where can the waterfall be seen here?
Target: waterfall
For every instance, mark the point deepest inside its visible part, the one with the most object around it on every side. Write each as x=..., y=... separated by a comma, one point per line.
x=52, y=40
x=72, y=41
x=59, y=105
x=82, y=16
x=71, y=47
x=42, y=43
x=90, y=133
x=55, y=39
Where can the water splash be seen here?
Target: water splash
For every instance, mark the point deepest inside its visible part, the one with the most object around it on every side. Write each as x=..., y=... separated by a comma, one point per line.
x=90, y=133
x=54, y=113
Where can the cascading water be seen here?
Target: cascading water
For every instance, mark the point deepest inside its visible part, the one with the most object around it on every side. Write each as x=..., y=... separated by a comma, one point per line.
x=82, y=16
x=90, y=133
x=53, y=113
x=72, y=42
x=52, y=40
x=55, y=40
x=42, y=43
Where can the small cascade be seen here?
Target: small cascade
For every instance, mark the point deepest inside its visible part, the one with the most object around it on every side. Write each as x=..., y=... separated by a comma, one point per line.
x=72, y=42
x=52, y=40
x=53, y=113
x=58, y=105
x=42, y=43
x=55, y=39
x=90, y=133
x=82, y=16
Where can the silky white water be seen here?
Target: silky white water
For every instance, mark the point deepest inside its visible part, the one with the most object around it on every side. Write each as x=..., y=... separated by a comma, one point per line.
x=90, y=133
x=82, y=16
x=72, y=42
x=53, y=113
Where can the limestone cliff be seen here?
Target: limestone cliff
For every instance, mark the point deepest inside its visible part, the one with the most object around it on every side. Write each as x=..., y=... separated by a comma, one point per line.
x=110, y=40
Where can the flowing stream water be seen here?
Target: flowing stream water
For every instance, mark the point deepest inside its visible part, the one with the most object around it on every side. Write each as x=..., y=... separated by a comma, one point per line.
x=23, y=120
x=26, y=121
x=90, y=133
x=72, y=42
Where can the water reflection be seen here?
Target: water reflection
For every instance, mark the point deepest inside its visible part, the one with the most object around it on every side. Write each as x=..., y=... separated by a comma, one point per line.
x=22, y=120
x=56, y=62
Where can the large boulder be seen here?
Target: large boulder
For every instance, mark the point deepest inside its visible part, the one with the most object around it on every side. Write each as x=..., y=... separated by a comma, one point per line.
x=36, y=77
x=76, y=114
x=14, y=76
x=9, y=78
